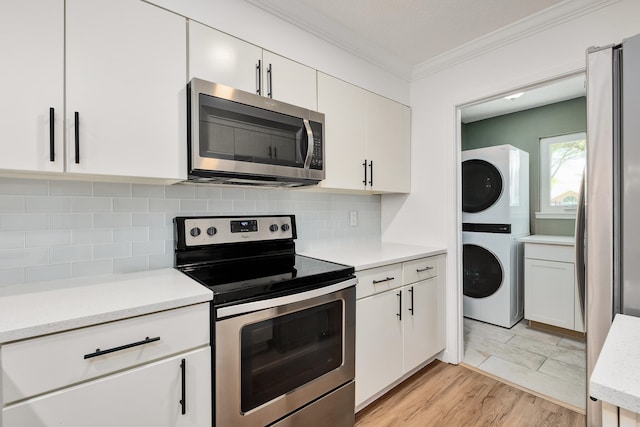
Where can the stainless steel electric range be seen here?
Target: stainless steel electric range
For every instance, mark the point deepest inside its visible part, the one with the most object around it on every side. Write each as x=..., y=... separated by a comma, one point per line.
x=283, y=325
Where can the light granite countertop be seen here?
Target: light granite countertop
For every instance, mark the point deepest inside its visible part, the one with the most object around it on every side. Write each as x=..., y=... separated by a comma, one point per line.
x=365, y=256
x=616, y=375
x=32, y=309
x=549, y=240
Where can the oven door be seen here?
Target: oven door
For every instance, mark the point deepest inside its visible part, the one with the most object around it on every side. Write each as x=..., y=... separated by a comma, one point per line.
x=274, y=357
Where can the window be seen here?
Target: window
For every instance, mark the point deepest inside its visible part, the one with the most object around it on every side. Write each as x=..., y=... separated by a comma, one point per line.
x=562, y=162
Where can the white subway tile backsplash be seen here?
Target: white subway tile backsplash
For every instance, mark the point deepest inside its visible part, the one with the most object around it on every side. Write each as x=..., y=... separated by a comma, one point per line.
x=48, y=272
x=23, y=221
x=92, y=268
x=92, y=236
x=48, y=204
x=71, y=253
x=70, y=188
x=12, y=203
x=71, y=221
x=10, y=258
x=91, y=204
x=85, y=229
x=23, y=186
x=109, y=189
x=112, y=220
x=144, y=190
x=47, y=238
x=121, y=204
x=11, y=239
x=152, y=247
x=11, y=276
x=112, y=250
x=133, y=234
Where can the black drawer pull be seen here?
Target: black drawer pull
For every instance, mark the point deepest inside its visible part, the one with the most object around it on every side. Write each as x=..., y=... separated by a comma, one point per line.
x=420, y=270
x=99, y=352
x=183, y=401
x=375, y=282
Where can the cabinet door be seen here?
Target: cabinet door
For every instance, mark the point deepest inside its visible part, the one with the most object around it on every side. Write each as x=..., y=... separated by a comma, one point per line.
x=549, y=292
x=146, y=396
x=421, y=322
x=31, y=83
x=344, y=108
x=378, y=343
x=126, y=79
x=289, y=81
x=220, y=58
x=388, y=144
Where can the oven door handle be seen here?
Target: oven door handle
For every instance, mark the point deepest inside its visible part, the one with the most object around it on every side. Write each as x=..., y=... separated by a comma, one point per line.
x=248, y=307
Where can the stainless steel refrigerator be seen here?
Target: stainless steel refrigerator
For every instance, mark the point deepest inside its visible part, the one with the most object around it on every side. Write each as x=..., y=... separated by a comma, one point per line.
x=608, y=228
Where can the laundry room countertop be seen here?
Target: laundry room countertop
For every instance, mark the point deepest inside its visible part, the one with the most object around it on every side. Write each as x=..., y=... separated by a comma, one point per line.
x=367, y=256
x=616, y=375
x=548, y=240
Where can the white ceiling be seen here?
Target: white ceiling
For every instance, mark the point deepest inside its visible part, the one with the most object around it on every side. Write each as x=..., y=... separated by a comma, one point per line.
x=405, y=37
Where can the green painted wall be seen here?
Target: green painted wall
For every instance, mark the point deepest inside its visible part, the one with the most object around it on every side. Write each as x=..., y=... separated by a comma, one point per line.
x=523, y=130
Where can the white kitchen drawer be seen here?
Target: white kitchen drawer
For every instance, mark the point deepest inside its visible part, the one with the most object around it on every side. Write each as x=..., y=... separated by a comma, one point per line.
x=38, y=365
x=379, y=279
x=420, y=269
x=559, y=253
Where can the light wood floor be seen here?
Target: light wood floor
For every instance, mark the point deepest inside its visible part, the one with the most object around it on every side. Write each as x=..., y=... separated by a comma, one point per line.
x=452, y=395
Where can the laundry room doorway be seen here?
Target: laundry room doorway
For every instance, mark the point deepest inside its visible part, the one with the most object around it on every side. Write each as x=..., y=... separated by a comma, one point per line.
x=504, y=173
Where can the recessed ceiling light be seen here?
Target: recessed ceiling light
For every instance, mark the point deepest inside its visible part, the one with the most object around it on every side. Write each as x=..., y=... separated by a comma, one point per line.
x=514, y=96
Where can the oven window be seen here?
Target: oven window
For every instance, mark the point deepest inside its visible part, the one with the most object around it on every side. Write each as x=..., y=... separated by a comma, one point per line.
x=286, y=352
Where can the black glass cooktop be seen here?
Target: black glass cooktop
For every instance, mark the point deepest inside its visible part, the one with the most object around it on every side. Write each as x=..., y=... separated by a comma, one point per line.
x=245, y=280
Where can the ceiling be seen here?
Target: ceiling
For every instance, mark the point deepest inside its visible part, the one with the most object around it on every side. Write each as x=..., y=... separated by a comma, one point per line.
x=402, y=36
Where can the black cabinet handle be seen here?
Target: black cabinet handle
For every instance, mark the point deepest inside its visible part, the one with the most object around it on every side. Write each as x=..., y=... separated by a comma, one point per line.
x=52, y=147
x=365, y=172
x=259, y=77
x=77, y=129
x=183, y=401
x=399, y=313
x=371, y=176
x=375, y=282
x=269, y=82
x=420, y=270
x=99, y=352
x=411, y=292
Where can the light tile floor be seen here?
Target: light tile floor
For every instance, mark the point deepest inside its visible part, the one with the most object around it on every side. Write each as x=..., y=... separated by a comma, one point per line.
x=545, y=362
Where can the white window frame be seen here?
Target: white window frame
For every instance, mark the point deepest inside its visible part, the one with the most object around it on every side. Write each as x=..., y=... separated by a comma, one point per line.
x=546, y=210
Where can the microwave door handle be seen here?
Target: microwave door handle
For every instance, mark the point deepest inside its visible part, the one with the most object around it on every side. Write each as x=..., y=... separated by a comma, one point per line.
x=307, y=160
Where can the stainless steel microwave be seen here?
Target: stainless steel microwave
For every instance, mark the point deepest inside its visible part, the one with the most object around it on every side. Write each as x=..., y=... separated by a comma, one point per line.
x=238, y=137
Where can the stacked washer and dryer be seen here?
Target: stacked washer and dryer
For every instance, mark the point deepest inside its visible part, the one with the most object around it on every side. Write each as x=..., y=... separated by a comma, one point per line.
x=495, y=213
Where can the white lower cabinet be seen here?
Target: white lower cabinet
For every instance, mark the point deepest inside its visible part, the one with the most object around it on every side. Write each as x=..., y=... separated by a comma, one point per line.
x=150, y=395
x=398, y=328
x=614, y=416
x=140, y=371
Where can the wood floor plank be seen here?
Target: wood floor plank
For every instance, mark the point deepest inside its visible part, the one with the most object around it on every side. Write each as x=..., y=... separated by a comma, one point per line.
x=452, y=395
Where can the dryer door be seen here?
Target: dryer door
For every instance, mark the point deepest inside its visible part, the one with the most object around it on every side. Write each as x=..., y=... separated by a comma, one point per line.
x=482, y=271
x=481, y=185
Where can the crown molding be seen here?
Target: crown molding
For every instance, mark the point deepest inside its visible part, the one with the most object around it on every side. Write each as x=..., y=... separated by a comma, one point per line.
x=526, y=27
x=339, y=36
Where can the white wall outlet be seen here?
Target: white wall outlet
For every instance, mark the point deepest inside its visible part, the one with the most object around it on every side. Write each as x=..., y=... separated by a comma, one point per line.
x=353, y=218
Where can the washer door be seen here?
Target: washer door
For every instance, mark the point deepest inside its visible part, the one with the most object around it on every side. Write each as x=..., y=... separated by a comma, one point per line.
x=482, y=272
x=481, y=185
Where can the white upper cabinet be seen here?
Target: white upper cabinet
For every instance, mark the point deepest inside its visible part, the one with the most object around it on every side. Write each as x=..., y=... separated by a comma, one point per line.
x=31, y=84
x=220, y=58
x=344, y=106
x=367, y=139
x=289, y=81
x=126, y=89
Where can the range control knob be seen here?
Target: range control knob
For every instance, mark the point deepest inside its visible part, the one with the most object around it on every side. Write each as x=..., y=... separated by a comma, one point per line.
x=273, y=227
x=285, y=227
x=212, y=231
x=195, y=232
